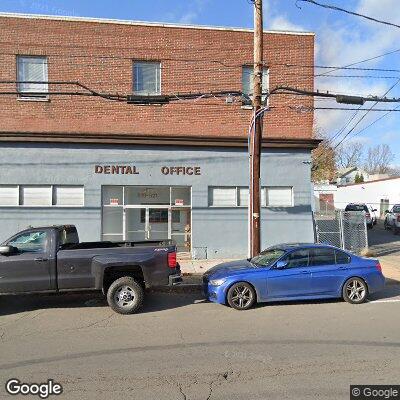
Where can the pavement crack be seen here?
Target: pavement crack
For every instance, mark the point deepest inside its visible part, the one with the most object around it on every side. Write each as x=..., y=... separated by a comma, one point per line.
x=181, y=391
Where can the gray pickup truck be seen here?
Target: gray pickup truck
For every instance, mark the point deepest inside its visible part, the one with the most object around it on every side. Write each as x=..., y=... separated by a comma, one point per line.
x=51, y=259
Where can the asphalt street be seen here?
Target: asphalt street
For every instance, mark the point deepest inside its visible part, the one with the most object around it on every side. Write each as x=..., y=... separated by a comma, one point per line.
x=181, y=347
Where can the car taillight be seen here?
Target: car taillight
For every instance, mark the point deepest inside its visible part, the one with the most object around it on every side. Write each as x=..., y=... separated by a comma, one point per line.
x=172, y=260
x=398, y=218
x=368, y=215
x=378, y=266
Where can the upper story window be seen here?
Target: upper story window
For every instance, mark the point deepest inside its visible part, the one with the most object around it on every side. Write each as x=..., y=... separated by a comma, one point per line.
x=247, y=81
x=146, y=78
x=32, y=69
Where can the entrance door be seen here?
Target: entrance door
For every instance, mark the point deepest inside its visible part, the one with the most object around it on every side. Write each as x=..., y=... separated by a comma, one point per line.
x=147, y=223
x=135, y=225
x=158, y=222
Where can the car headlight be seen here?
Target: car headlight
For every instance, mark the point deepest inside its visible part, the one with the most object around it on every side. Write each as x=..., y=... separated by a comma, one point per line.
x=217, y=282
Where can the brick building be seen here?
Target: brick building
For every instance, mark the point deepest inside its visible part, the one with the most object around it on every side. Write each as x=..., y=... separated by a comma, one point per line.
x=128, y=172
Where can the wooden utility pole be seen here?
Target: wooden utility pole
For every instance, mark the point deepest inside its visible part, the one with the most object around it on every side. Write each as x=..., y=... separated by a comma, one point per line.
x=256, y=135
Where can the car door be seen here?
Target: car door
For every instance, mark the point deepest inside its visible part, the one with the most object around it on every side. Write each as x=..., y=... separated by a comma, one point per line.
x=28, y=268
x=292, y=281
x=327, y=273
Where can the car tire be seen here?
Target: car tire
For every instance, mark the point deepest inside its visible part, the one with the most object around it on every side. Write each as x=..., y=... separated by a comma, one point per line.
x=241, y=296
x=125, y=295
x=355, y=291
x=370, y=226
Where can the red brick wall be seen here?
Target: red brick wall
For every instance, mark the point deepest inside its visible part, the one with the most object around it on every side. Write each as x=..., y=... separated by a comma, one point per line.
x=100, y=56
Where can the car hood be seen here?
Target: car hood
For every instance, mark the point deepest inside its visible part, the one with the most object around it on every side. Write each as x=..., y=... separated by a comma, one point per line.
x=227, y=267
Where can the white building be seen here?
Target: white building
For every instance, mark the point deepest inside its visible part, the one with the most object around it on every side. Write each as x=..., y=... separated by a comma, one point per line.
x=381, y=194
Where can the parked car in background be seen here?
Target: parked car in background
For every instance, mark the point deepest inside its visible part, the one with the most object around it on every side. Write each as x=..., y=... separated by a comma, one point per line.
x=392, y=219
x=52, y=260
x=294, y=272
x=370, y=213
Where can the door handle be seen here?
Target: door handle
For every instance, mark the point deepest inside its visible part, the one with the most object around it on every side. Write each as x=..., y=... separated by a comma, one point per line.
x=40, y=259
x=305, y=272
x=343, y=268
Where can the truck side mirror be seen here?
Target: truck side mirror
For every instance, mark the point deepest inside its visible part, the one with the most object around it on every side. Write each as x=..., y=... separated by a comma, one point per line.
x=6, y=250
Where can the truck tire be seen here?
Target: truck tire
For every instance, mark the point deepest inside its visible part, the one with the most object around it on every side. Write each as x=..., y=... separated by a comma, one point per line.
x=125, y=295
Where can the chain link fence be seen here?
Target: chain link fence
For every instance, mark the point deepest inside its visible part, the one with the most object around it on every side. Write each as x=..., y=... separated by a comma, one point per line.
x=344, y=229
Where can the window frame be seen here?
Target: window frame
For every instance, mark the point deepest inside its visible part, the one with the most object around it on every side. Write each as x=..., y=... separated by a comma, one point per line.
x=263, y=196
x=30, y=232
x=53, y=196
x=22, y=95
x=264, y=99
x=134, y=80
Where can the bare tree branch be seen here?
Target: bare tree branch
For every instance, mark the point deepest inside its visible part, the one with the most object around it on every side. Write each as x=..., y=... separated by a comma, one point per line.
x=378, y=159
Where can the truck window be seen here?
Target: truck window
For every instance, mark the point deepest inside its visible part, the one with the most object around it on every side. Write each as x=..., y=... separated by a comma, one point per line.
x=30, y=242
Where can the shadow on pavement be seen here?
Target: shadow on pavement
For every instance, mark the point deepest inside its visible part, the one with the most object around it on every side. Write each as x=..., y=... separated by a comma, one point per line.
x=383, y=242
x=154, y=301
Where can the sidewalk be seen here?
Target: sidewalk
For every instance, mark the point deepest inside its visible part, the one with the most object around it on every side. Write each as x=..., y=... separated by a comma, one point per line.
x=391, y=268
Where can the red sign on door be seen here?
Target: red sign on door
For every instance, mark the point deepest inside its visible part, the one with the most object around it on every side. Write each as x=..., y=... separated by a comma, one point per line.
x=114, y=202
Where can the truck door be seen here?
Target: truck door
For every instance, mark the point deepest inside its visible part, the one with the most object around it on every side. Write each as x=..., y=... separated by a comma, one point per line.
x=29, y=267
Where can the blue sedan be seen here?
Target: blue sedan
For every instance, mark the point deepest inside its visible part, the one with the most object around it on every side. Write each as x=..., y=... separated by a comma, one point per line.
x=294, y=272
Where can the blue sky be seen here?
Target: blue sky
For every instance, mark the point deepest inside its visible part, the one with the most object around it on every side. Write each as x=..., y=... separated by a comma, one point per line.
x=341, y=40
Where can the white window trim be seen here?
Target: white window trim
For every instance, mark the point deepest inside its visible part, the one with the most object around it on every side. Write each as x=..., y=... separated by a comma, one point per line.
x=134, y=77
x=20, y=205
x=245, y=187
x=24, y=96
x=279, y=187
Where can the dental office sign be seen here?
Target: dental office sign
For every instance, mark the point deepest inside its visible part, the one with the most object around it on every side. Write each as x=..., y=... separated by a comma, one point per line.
x=133, y=170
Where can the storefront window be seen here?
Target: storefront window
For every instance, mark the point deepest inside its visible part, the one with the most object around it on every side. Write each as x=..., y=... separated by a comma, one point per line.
x=113, y=196
x=144, y=195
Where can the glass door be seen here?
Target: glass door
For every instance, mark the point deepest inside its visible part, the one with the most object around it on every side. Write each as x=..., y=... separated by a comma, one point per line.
x=181, y=229
x=158, y=220
x=135, y=225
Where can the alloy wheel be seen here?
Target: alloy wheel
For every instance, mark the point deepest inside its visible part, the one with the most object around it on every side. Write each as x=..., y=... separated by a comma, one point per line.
x=125, y=296
x=356, y=290
x=241, y=296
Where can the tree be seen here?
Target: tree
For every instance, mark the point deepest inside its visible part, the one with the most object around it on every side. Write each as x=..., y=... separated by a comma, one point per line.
x=349, y=155
x=378, y=159
x=324, y=163
x=359, y=178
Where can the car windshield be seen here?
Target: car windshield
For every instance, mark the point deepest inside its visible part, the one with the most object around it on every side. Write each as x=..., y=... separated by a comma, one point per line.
x=356, y=207
x=268, y=257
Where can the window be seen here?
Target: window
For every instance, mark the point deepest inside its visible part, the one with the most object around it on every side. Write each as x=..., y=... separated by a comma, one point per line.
x=9, y=195
x=36, y=195
x=30, y=242
x=268, y=257
x=32, y=69
x=279, y=197
x=68, y=196
x=247, y=81
x=298, y=258
x=234, y=196
x=41, y=195
x=396, y=209
x=223, y=197
x=156, y=215
x=323, y=256
x=342, y=257
x=146, y=78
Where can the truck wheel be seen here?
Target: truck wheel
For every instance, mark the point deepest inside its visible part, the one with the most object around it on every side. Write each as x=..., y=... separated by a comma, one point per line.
x=125, y=295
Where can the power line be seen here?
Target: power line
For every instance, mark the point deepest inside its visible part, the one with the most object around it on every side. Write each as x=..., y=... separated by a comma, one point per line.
x=332, y=7
x=362, y=118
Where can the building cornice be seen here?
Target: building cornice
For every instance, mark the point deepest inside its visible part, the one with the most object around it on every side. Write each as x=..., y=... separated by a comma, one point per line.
x=110, y=139
x=143, y=23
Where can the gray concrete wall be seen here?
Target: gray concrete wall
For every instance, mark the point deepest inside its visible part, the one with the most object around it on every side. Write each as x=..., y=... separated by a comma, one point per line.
x=221, y=231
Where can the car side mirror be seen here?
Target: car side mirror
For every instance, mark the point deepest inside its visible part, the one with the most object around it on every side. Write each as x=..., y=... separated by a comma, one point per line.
x=6, y=250
x=386, y=211
x=281, y=264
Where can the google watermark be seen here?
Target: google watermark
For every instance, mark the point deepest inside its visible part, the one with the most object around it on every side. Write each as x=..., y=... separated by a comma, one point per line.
x=42, y=390
x=374, y=392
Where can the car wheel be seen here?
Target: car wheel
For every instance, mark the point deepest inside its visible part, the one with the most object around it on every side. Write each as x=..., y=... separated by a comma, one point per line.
x=369, y=226
x=355, y=291
x=125, y=295
x=241, y=296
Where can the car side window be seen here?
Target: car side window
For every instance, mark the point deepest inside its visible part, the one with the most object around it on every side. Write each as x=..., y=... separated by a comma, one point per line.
x=298, y=258
x=30, y=242
x=396, y=209
x=342, y=257
x=323, y=256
